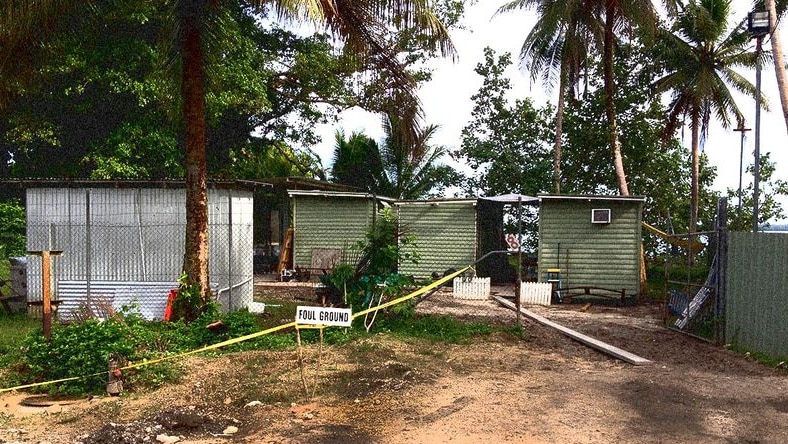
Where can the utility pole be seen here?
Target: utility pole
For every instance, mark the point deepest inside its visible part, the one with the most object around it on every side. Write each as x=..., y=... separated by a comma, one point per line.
x=742, y=130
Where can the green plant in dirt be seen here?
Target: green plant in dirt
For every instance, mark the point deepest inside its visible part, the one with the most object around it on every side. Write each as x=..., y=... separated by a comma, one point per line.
x=384, y=246
x=340, y=279
x=374, y=277
x=188, y=304
x=222, y=327
x=82, y=349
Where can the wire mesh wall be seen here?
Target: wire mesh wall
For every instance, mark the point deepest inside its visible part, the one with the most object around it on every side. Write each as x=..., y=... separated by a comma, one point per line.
x=113, y=238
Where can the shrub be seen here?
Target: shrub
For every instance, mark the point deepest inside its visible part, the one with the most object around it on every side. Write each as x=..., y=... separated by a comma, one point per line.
x=12, y=229
x=82, y=349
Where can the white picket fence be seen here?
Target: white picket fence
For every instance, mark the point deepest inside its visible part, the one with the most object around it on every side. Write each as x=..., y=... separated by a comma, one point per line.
x=535, y=293
x=473, y=289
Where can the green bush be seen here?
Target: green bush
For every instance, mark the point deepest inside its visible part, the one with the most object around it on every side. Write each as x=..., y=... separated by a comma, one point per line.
x=12, y=229
x=82, y=349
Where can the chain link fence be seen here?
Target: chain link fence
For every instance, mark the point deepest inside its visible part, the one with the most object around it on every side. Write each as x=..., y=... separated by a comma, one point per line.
x=125, y=247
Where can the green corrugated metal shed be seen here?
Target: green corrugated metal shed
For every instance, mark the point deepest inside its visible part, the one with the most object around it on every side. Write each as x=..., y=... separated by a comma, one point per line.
x=603, y=255
x=334, y=220
x=445, y=232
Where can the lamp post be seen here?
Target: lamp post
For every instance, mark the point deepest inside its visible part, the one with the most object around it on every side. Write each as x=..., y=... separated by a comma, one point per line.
x=742, y=130
x=758, y=26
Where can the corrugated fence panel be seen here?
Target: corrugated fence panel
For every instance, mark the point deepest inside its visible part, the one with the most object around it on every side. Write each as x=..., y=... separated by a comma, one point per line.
x=601, y=255
x=445, y=236
x=328, y=222
x=756, y=310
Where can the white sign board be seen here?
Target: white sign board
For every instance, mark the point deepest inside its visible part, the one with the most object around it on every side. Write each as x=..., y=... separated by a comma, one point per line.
x=340, y=317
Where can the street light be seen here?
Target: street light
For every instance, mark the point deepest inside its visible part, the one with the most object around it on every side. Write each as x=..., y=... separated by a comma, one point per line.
x=758, y=26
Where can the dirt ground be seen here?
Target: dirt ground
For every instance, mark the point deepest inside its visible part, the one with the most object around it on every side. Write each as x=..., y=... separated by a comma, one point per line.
x=545, y=388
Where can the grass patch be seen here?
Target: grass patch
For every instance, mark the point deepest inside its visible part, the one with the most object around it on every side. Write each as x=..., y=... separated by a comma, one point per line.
x=82, y=349
x=780, y=362
x=13, y=329
x=434, y=328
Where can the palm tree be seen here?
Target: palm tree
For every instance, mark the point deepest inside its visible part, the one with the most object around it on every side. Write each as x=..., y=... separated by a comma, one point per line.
x=410, y=162
x=558, y=43
x=700, y=55
x=620, y=15
x=357, y=162
x=569, y=29
x=403, y=166
x=361, y=24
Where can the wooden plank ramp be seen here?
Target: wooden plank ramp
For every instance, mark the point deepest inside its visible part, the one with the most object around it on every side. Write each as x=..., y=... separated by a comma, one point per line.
x=585, y=339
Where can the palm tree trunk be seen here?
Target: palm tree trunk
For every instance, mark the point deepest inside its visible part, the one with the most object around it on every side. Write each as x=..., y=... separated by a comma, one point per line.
x=610, y=105
x=195, y=259
x=559, y=129
x=779, y=62
x=695, y=183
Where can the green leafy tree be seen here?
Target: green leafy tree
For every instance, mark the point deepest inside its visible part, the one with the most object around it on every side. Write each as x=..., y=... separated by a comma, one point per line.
x=700, y=56
x=504, y=144
x=12, y=230
x=403, y=166
x=769, y=206
x=197, y=26
x=658, y=166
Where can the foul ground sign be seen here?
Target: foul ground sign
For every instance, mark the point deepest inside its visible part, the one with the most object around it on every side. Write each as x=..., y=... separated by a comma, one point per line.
x=340, y=317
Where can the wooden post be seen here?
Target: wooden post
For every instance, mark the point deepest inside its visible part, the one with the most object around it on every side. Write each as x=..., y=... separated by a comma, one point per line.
x=46, y=288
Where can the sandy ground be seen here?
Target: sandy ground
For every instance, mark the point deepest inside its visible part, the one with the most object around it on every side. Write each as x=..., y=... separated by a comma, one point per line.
x=545, y=388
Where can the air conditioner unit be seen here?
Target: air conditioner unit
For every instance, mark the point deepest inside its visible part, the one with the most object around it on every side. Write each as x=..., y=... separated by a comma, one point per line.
x=600, y=216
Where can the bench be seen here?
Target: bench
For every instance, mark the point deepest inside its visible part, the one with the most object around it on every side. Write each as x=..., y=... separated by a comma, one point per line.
x=589, y=290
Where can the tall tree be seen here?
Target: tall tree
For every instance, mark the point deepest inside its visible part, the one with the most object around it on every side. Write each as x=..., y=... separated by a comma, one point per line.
x=619, y=15
x=769, y=206
x=700, y=56
x=361, y=24
x=402, y=166
x=558, y=45
x=777, y=53
x=504, y=144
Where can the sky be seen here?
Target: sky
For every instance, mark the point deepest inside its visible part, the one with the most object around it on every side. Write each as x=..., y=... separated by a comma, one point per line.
x=447, y=97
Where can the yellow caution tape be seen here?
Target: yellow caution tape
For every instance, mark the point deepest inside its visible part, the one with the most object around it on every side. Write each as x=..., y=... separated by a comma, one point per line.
x=239, y=339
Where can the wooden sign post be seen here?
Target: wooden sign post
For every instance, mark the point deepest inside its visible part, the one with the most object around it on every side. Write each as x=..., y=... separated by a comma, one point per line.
x=46, y=288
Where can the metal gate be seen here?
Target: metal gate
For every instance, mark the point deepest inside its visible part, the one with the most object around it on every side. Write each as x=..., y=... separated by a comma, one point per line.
x=695, y=265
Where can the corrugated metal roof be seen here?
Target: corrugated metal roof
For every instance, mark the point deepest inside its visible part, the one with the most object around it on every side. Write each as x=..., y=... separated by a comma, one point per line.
x=130, y=183
x=591, y=197
x=304, y=183
x=319, y=193
x=436, y=201
x=512, y=198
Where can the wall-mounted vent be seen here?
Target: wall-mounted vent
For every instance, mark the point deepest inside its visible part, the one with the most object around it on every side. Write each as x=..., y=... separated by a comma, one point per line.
x=600, y=216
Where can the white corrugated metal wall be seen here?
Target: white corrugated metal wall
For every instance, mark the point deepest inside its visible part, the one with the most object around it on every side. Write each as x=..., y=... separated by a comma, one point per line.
x=137, y=234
